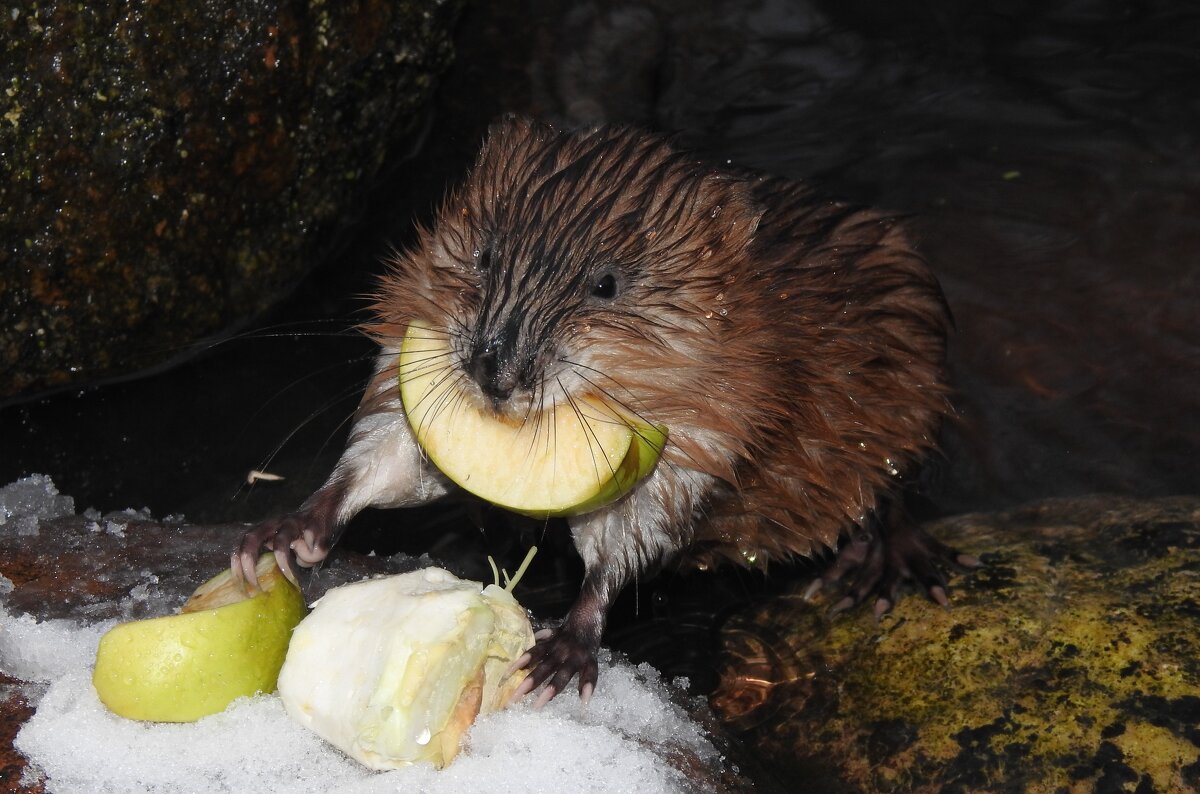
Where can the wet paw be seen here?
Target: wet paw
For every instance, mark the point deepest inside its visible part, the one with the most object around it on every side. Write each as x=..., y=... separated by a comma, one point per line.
x=878, y=564
x=296, y=539
x=558, y=656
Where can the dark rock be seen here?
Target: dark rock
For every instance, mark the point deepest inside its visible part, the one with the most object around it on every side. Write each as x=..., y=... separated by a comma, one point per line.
x=169, y=171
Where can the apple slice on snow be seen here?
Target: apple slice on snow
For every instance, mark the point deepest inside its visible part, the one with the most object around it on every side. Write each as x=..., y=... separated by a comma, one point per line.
x=571, y=459
x=223, y=645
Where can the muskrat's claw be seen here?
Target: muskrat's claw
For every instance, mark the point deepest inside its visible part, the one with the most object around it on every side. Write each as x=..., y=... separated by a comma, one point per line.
x=295, y=538
x=554, y=660
x=860, y=561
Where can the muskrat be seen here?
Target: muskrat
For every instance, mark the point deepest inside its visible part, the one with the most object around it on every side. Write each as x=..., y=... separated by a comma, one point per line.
x=793, y=346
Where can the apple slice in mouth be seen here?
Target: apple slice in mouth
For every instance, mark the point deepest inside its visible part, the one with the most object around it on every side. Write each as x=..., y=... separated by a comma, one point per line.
x=571, y=458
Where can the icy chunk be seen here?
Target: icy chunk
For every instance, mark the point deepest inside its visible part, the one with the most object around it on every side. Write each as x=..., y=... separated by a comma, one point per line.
x=32, y=498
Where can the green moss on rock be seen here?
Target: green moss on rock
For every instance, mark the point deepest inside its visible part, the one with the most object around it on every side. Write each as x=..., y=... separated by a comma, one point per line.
x=1069, y=663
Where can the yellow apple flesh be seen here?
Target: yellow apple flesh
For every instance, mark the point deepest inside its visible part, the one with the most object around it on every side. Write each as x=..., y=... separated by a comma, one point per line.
x=223, y=645
x=569, y=459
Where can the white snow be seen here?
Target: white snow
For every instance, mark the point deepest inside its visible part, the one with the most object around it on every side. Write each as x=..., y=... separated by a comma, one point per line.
x=47, y=650
x=254, y=746
x=72, y=739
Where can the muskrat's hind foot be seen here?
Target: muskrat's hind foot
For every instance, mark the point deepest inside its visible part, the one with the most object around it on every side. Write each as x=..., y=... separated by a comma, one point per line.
x=878, y=560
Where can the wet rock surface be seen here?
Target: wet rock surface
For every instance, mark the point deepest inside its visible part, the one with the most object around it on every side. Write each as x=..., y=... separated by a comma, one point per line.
x=126, y=565
x=15, y=707
x=169, y=172
x=1069, y=662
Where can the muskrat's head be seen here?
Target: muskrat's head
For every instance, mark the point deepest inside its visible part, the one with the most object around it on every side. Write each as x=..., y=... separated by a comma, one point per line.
x=572, y=263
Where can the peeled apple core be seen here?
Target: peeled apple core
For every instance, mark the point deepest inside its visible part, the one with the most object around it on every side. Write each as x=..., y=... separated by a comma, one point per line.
x=394, y=670
x=224, y=644
x=571, y=458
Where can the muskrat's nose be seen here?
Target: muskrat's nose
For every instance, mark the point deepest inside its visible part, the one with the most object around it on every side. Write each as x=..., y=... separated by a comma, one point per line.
x=493, y=365
x=486, y=372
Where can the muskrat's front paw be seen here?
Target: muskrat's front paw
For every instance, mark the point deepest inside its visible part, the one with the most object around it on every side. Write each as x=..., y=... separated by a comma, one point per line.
x=557, y=657
x=874, y=564
x=295, y=538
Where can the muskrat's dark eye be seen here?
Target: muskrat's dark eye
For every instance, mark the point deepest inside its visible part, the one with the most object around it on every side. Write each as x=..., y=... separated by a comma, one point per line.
x=483, y=260
x=605, y=287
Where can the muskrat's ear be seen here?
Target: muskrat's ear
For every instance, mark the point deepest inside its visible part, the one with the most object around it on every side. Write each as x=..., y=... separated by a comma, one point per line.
x=511, y=129
x=732, y=209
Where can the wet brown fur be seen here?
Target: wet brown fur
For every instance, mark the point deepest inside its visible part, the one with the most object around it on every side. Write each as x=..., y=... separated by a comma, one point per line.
x=794, y=346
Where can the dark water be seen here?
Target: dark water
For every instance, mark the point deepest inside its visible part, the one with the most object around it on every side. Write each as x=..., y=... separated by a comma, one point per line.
x=1047, y=152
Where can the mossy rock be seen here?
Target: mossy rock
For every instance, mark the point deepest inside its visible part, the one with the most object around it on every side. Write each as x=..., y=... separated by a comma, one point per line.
x=171, y=169
x=1070, y=662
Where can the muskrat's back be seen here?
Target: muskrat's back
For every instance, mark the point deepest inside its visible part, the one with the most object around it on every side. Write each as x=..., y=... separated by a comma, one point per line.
x=851, y=327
